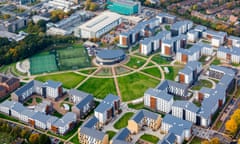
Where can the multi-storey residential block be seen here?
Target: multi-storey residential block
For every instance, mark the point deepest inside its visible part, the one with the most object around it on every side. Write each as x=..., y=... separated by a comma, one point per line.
x=158, y=100
x=84, y=102
x=144, y=118
x=166, y=18
x=190, y=72
x=216, y=38
x=181, y=27
x=173, y=87
x=170, y=138
x=229, y=54
x=185, y=110
x=233, y=41
x=180, y=128
x=107, y=109
x=192, y=36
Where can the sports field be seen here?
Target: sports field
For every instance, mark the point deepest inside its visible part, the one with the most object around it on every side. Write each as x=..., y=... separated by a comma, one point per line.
x=74, y=57
x=43, y=63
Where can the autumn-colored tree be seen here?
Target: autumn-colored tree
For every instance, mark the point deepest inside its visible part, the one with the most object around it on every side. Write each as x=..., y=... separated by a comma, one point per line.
x=205, y=142
x=231, y=126
x=24, y=133
x=236, y=116
x=215, y=140
x=34, y=138
x=93, y=6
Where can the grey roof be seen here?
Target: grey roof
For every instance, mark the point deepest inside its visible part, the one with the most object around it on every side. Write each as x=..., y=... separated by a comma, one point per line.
x=121, y=136
x=144, y=113
x=18, y=107
x=179, y=24
x=65, y=120
x=52, y=119
x=200, y=28
x=222, y=69
x=179, y=37
x=41, y=117
x=170, y=138
x=161, y=34
x=92, y=133
x=233, y=51
x=216, y=34
x=28, y=113
x=190, y=67
x=78, y=93
x=159, y=94
x=168, y=41
x=186, y=105
x=90, y=123
x=186, y=70
x=107, y=103
x=8, y=104
x=27, y=86
x=146, y=41
x=110, y=54
x=205, y=90
x=226, y=80
x=84, y=101
x=178, y=125
x=234, y=38
x=126, y=2
x=167, y=83
x=166, y=15
x=195, y=48
x=52, y=84
x=2, y=88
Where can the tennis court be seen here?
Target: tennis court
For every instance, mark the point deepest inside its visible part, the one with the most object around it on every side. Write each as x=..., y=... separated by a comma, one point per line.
x=43, y=63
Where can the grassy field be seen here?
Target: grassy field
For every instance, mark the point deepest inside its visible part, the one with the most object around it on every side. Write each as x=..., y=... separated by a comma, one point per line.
x=173, y=72
x=216, y=62
x=111, y=134
x=88, y=71
x=202, y=83
x=150, y=138
x=135, y=62
x=5, y=138
x=133, y=86
x=154, y=71
x=160, y=60
x=123, y=121
x=121, y=70
x=136, y=106
x=69, y=79
x=104, y=72
x=196, y=140
x=43, y=63
x=99, y=87
x=75, y=139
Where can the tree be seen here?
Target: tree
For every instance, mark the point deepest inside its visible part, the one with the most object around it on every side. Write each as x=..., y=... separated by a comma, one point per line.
x=205, y=142
x=34, y=138
x=93, y=6
x=231, y=126
x=236, y=116
x=215, y=140
x=44, y=139
x=24, y=133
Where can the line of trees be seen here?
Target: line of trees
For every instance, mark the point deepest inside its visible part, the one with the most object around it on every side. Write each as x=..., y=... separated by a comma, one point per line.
x=14, y=51
x=24, y=134
x=233, y=124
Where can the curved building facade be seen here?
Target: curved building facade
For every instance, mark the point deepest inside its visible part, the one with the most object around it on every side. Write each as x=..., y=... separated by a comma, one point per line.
x=110, y=57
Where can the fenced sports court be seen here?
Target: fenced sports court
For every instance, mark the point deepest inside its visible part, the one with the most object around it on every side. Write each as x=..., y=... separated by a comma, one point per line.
x=43, y=63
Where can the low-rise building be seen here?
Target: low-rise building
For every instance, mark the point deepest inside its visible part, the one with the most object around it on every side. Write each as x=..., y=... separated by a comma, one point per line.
x=8, y=85
x=158, y=100
x=89, y=133
x=166, y=18
x=122, y=137
x=170, y=138
x=144, y=118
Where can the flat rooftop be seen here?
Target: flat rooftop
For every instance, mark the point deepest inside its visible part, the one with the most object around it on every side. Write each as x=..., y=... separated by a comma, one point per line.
x=99, y=22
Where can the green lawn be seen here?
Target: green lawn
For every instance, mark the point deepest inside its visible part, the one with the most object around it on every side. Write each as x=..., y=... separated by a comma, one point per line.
x=150, y=64
x=69, y=79
x=173, y=72
x=196, y=140
x=133, y=86
x=202, y=59
x=154, y=71
x=104, y=72
x=88, y=71
x=6, y=138
x=202, y=83
x=111, y=134
x=135, y=62
x=38, y=100
x=216, y=62
x=150, y=138
x=206, y=41
x=160, y=60
x=167, y=27
x=123, y=121
x=57, y=114
x=75, y=139
x=136, y=106
x=99, y=87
